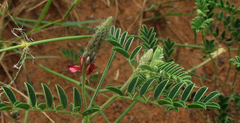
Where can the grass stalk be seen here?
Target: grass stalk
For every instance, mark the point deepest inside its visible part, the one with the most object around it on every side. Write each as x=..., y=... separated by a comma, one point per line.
x=229, y=68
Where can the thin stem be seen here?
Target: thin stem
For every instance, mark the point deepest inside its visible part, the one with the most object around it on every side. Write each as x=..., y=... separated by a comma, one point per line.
x=202, y=116
x=235, y=76
x=103, y=77
x=26, y=116
x=163, y=116
x=84, y=71
x=126, y=111
x=112, y=99
x=72, y=80
x=47, y=41
x=229, y=68
x=195, y=37
x=215, y=73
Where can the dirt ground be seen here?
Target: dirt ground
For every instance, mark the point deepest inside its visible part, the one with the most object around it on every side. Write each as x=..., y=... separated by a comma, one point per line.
x=128, y=16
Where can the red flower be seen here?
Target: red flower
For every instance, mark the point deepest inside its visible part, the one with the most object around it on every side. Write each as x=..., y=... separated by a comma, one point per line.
x=75, y=68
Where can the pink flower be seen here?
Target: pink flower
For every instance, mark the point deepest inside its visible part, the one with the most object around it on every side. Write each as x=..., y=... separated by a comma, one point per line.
x=75, y=68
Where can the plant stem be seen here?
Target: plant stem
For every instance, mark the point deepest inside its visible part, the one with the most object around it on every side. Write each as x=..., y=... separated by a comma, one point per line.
x=215, y=73
x=235, y=76
x=103, y=77
x=195, y=37
x=126, y=111
x=84, y=71
x=26, y=116
x=47, y=41
x=202, y=116
x=229, y=68
x=112, y=99
x=163, y=116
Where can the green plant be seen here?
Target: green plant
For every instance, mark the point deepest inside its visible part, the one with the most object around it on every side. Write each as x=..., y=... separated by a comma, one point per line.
x=229, y=36
x=157, y=73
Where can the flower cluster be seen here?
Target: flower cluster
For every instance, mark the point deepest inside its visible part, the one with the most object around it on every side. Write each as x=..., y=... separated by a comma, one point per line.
x=89, y=55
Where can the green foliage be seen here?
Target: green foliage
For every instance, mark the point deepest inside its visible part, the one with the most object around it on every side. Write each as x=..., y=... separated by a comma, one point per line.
x=114, y=89
x=236, y=63
x=48, y=97
x=71, y=55
x=208, y=46
x=199, y=23
x=148, y=38
x=168, y=49
x=223, y=115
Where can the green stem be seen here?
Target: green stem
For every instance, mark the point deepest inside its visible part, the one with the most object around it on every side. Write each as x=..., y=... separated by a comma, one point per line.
x=112, y=99
x=202, y=116
x=236, y=72
x=47, y=41
x=84, y=71
x=229, y=68
x=126, y=111
x=71, y=80
x=195, y=37
x=163, y=116
x=26, y=117
x=103, y=77
x=215, y=73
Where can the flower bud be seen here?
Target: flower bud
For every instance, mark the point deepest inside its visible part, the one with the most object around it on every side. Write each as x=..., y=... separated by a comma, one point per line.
x=146, y=57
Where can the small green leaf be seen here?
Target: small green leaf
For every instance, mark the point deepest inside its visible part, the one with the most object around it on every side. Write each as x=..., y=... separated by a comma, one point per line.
x=159, y=89
x=174, y=90
x=48, y=95
x=117, y=34
x=91, y=110
x=145, y=66
x=71, y=107
x=114, y=89
x=123, y=38
x=62, y=96
x=114, y=43
x=197, y=105
x=3, y=105
x=59, y=107
x=145, y=87
x=31, y=94
x=187, y=92
x=212, y=105
x=128, y=43
x=200, y=93
x=166, y=102
x=76, y=109
x=5, y=108
x=9, y=94
x=121, y=51
x=171, y=108
x=24, y=106
x=135, y=52
x=77, y=99
x=42, y=106
x=179, y=104
x=132, y=85
x=211, y=96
